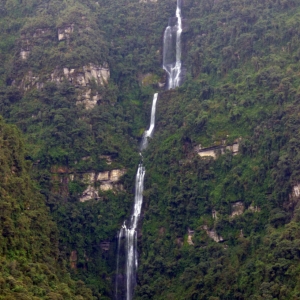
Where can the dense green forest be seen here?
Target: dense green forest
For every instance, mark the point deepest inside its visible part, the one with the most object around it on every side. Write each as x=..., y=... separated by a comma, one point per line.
x=31, y=264
x=214, y=227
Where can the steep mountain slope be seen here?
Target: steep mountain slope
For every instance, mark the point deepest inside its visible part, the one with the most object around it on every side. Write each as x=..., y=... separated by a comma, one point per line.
x=31, y=267
x=221, y=220
x=77, y=79
x=222, y=182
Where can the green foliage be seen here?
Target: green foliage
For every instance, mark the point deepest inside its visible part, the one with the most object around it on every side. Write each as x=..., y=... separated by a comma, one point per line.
x=242, y=62
x=30, y=263
x=242, y=82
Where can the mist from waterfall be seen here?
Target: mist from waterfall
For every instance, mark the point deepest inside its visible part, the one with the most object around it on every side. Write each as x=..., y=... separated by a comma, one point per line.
x=127, y=256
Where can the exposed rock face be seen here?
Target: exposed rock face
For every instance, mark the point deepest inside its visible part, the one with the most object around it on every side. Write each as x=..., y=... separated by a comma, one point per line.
x=110, y=178
x=106, y=186
x=208, y=152
x=213, y=234
x=25, y=47
x=215, y=150
x=30, y=81
x=293, y=197
x=82, y=78
x=161, y=84
x=108, y=181
x=88, y=100
x=237, y=209
x=116, y=174
x=103, y=176
x=64, y=32
x=89, y=178
x=234, y=148
x=296, y=191
x=24, y=54
x=94, y=181
x=89, y=194
x=100, y=74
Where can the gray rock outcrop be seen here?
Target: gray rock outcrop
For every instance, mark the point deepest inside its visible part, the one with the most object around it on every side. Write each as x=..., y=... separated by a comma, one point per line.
x=213, y=234
x=214, y=151
x=64, y=32
x=82, y=78
x=237, y=209
x=109, y=180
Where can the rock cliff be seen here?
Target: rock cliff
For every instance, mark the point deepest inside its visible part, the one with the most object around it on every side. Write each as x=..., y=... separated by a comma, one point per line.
x=82, y=78
x=108, y=180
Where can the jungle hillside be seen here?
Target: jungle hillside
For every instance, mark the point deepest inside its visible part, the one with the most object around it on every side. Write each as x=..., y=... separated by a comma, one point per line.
x=221, y=214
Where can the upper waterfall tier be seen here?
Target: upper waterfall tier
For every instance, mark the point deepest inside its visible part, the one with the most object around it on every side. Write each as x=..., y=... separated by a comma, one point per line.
x=172, y=50
x=127, y=237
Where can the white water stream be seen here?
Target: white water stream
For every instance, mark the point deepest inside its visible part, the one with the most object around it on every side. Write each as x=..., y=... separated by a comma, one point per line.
x=130, y=234
x=127, y=237
x=173, y=68
x=149, y=133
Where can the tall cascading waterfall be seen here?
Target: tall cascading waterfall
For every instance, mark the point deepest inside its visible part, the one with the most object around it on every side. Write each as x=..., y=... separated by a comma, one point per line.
x=127, y=236
x=149, y=133
x=171, y=58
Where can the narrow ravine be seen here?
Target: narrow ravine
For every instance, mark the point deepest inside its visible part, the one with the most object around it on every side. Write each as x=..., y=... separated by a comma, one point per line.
x=127, y=237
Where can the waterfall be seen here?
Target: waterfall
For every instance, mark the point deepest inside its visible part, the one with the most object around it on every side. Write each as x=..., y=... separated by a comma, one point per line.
x=128, y=233
x=171, y=60
x=127, y=237
x=149, y=133
x=131, y=234
x=120, y=235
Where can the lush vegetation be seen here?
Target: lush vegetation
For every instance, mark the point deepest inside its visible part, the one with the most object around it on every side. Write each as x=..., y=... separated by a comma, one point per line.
x=242, y=82
x=31, y=265
x=62, y=135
